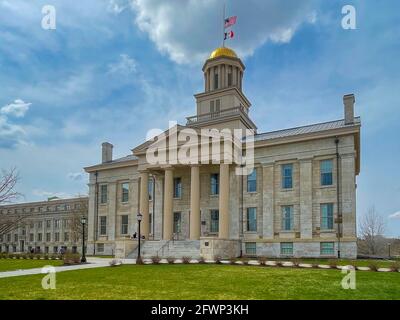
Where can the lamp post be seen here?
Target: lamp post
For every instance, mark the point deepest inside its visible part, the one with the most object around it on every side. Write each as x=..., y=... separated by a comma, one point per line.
x=83, y=221
x=139, y=219
x=389, y=249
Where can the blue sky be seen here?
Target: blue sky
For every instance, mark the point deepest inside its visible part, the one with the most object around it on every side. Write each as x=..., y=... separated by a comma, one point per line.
x=112, y=70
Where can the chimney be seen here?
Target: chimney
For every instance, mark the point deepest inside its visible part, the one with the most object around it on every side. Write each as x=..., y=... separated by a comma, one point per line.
x=107, y=150
x=348, y=101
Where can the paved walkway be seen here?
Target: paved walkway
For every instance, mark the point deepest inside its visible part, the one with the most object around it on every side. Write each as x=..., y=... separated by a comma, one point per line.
x=92, y=263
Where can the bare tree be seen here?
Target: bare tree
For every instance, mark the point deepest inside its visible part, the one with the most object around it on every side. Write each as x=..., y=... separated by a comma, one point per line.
x=8, y=181
x=79, y=210
x=372, y=228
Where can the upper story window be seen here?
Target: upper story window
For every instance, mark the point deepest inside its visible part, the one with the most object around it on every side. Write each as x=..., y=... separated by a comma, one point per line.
x=252, y=181
x=150, y=188
x=15, y=237
x=177, y=187
x=214, y=183
x=40, y=224
x=215, y=79
x=252, y=219
x=125, y=192
x=48, y=224
x=327, y=216
x=326, y=167
x=103, y=193
x=287, y=218
x=57, y=224
x=103, y=225
x=287, y=176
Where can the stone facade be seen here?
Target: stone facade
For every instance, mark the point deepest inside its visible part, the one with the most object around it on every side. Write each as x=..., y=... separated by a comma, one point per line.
x=44, y=227
x=320, y=219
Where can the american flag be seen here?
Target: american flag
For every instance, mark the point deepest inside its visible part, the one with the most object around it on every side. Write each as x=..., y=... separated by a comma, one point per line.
x=230, y=21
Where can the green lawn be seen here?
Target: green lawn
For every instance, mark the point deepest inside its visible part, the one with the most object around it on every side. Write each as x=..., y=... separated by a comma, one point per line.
x=17, y=264
x=211, y=282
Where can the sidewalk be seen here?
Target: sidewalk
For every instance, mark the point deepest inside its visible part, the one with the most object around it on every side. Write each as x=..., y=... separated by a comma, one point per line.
x=92, y=263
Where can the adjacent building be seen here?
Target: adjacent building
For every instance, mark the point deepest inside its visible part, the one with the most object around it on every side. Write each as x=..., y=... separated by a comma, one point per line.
x=42, y=227
x=299, y=201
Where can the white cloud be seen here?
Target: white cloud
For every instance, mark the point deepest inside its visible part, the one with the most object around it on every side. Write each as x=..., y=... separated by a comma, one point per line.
x=125, y=65
x=395, y=215
x=48, y=194
x=188, y=30
x=117, y=6
x=18, y=108
x=11, y=134
x=76, y=176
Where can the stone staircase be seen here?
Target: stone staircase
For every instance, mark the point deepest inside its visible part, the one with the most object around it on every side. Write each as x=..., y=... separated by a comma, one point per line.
x=168, y=248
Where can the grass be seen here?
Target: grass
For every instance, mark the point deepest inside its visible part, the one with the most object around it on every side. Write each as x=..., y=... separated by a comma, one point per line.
x=210, y=282
x=17, y=264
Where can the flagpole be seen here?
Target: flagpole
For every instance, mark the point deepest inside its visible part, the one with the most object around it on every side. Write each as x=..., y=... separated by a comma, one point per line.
x=223, y=26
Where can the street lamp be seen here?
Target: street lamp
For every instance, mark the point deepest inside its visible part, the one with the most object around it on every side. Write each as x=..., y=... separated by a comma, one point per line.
x=83, y=221
x=389, y=249
x=139, y=219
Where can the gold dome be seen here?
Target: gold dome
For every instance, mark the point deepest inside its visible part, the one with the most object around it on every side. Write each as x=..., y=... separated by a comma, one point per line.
x=223, y=51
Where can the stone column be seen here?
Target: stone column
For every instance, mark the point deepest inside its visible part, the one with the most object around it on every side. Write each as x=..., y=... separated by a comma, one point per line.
x=168, y=204
x=224, y=201
x=306, y=217
x=347, y=191
x=195, y=203
x=212, y=78
x=92, y=223
x=144, y=204
x=234, y=76
x=112, y=211
x=268, y=201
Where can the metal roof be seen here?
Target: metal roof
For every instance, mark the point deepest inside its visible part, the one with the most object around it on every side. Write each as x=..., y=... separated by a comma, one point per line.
x=318, y=127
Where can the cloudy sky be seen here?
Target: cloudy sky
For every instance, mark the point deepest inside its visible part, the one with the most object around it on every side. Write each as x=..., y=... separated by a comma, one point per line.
x=113, y=69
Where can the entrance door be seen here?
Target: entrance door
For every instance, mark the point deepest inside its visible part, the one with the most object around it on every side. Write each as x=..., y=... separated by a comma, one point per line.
x=22, y=245
x=177, y=223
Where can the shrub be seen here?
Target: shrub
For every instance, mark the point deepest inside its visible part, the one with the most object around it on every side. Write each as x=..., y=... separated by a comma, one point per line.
x=171, y=260
x=71, y=258
x=296, y=262
x=115, y=263
x=263, y=261
x=373, y=266
x=232, y=260
x=202, y=260
x=46, y=257
x=24, y=256
x=186, y=260
x=333, y=263
x=155, y=259
x=217, y=259
x=279, y=263
x=395, y=266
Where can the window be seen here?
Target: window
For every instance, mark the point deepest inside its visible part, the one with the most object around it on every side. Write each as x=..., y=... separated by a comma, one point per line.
x=251, y=248
x=287, y=248
x=48, y=237
x=124, y=224
x=252, y=219
x=287, y=179
x=57, y=224
x=74, y=249
x=287, y=218
x=150, y=188
x=55, y=249
x=39, y=236
x=103, y=193
x=214, y=225
x=327, y=248
x=212, y=106
x=100, y=247
x=66, y=236
x=177, y=222
x=31, y=237
x=217, y=105
x=40, y=225
x=9, y=238
x=326, y=167
x=125, y=192
x=215, y=80
x=48, y=224
x=66, y=223
x=252, y=181
x=327, y=216
x=14, y=248
x=46, y=249
x=56, y=236
x=177, y=187
x=103, y=226
x=15, y=237
x=215, y=184
x=230, y=77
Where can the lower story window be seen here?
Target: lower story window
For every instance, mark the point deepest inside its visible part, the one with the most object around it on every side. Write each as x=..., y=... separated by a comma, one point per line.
x=124, y=224
x=287, y=248
x=100, y=247
x=327, y=248
x=214, y=225
x=251, y=248
x=177, y=222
